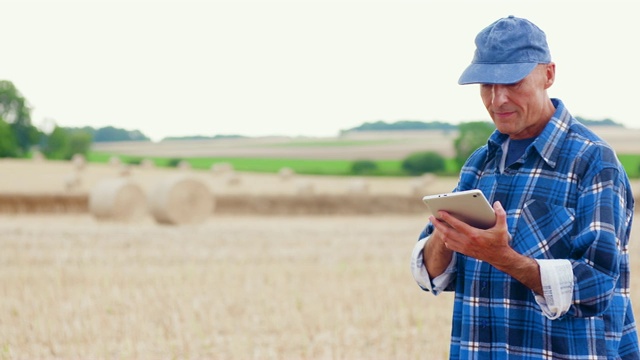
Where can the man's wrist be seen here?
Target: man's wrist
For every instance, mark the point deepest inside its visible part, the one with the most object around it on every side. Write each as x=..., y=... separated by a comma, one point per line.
x=522, y=268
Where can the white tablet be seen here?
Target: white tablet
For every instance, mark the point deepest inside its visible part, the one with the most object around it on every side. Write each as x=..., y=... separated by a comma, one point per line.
x=469, y=206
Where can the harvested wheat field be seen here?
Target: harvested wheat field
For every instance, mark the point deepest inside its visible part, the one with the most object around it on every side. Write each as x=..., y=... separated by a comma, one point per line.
x=235, y=287
x=257, y=281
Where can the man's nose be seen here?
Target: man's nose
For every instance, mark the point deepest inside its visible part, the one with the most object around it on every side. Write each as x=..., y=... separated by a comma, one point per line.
x=498, y=95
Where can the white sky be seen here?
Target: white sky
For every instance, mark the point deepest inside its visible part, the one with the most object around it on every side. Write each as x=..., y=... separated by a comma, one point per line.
x=308, y=68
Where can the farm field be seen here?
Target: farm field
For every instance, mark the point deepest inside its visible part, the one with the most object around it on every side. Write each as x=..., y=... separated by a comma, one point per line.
x=327, y=280
x=351, y=146
x=234, y=287
x=238, y=286
x=64, y=178
x=380, y=146
x=329, y=155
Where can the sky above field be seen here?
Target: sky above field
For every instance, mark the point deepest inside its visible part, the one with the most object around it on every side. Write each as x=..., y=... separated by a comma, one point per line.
x=296, y=68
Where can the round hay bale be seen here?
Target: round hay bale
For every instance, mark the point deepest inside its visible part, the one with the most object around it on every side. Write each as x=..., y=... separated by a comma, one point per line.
x=78, y=161
x=232, y=179
x=221, y=168
x=635, y=188
x=72, y=181
x=304, y=187
x=416, y=187
x=358, y=186
x=180, y=199
x=421, y=184
x=428, y=179
x=117, y=199
x=184, y=165
x=114, y=161
x=37, y=156
x=124, y=170
x=147, y=164
x=286, y=173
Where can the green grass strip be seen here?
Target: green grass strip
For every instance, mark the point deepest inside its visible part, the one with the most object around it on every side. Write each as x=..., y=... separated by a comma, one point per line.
x=332, y=143
x=631, y=163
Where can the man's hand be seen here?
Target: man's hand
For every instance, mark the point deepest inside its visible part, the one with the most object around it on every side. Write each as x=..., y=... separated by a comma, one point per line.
x=491, y=246
x=486, y=245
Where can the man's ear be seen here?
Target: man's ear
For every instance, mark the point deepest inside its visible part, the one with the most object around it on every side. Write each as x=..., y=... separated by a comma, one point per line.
x=550, y=73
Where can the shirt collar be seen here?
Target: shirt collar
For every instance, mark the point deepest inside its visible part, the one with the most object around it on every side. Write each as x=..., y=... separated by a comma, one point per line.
x=547, y=142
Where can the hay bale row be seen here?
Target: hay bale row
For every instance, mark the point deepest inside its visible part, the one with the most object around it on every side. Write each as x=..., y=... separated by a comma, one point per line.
x=175, y=200
x=318, y=205
x=230, y=205
x=42, y=203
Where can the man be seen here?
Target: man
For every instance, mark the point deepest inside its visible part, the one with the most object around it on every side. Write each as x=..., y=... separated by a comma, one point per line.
x=551, y=279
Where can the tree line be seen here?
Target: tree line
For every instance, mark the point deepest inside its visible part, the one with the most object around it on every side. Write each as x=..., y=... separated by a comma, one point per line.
x=18, y=135
x=404, y=125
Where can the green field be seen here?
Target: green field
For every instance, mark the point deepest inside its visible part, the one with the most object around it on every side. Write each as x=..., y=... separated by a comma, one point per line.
x=333, y=143
x=268, y=165
x=631, y=163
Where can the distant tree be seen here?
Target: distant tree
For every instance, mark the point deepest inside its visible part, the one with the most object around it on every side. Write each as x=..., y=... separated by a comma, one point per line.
x=471, y=136
x=364, y=167
x=603, y=122
x=15, y=111
x=202, y=137
x=8, y=143
x=110, y=133
x=174, y=162
x=79, y=143
x=402, y=125
x=133, y=161
x=62, y=144
x=423, y=162
x=56, y=145
x=85, y=129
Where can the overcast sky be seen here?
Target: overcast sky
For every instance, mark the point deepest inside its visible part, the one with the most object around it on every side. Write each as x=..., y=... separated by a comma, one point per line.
x=308, y=68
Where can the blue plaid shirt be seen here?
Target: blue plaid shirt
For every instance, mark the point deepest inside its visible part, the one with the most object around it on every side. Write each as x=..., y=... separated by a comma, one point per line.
x=567, y=197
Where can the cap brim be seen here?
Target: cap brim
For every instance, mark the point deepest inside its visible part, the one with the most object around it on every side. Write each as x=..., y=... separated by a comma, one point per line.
x=495, y=73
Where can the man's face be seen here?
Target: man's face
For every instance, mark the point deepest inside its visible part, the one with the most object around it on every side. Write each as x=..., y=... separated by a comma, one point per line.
x=521, y=110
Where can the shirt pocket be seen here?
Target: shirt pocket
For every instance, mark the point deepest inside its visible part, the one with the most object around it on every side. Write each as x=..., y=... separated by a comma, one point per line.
x=544, y=231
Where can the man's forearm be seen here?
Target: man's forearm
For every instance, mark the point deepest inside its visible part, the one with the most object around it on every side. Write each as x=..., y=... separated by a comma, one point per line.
x=522, y=268
x=436, y=256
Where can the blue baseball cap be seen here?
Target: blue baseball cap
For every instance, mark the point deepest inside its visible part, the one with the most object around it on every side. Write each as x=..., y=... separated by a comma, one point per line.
x=506, y=52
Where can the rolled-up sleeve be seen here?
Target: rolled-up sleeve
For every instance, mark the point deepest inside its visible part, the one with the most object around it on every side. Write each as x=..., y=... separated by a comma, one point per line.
x=557, y=284
x=421, y=276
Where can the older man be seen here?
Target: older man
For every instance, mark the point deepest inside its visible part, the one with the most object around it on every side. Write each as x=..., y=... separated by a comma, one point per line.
x=551, y=279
